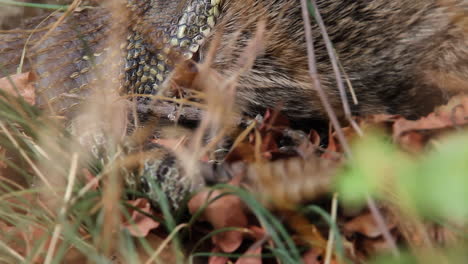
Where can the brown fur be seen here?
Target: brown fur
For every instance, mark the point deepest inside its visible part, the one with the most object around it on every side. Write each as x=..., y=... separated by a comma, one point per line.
x=402, y=56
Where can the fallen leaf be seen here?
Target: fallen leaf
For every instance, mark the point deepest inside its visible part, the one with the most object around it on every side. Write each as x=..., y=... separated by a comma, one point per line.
x=227, y=211
x=24, y=84
x=454, y=114
x=413, y=141
x=307, y=231
x=139, y=225
x=332, y=148
x=256, y=232
x=217, y=259
x=252, y=256
x=244, y=151
x=365, y=224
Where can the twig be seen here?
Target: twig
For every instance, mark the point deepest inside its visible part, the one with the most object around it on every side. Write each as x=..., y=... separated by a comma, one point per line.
x=166, y=110
x=382, y=226
x=336, y=69
x=314, y=75
x=336, y=125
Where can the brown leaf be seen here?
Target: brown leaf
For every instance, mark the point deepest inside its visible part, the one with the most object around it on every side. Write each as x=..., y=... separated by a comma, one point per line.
x=307, y=232
x=366, y=225
x=413, y=141
x=454, y=114
x=140, y=225
x=252, y=256
x=217, y=259
x=244, y=151
x=24, y=83
x=256, y=232
x=227, y=211
x=332, y=148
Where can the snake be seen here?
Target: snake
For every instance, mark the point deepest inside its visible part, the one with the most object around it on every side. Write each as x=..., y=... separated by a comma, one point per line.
x=72, y=58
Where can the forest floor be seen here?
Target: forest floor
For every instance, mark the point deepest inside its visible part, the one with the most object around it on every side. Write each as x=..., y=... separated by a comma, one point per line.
x=376, y=189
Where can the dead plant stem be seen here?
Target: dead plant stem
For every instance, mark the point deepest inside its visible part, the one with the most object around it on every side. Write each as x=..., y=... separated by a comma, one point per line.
x=62, y=213
x=27, y=158
x=314, y=76
x=165, y=243
x=331, y=233
x=11, y=251
x=333, y=118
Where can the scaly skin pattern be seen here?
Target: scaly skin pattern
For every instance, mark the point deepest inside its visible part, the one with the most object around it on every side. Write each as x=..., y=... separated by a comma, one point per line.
x=157, y=34
x=63, y=61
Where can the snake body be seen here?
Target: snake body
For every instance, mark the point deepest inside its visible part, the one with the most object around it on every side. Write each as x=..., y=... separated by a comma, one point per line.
x=148, y=63
x=78, y=55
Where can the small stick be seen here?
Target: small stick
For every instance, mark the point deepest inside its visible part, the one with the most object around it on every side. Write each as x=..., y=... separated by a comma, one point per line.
x=334, y=120
x=382, y=226
x=336, y=69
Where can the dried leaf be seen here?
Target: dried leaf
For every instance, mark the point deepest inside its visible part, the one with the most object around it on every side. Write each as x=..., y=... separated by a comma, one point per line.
x=365, y=224
x=227, y=211
x=140, y=225
x=307, y=232
x=256, y=232
x=333, y=147
x=413, y=141
x=244, y=151
x=252, y=256
x=217, y=259
x=24, y=83
x=454, y=114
